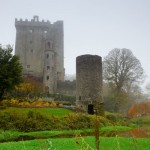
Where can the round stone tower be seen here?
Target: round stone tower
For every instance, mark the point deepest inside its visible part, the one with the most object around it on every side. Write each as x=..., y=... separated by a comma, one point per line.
x=89, y=83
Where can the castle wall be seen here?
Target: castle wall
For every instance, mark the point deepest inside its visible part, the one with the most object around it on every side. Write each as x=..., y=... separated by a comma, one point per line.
x=67, y=87
x=89, y=82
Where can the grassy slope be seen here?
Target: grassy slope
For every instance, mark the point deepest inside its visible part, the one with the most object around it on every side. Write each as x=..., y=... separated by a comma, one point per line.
x=79, y=143
x=115, y=128
x=60, y=112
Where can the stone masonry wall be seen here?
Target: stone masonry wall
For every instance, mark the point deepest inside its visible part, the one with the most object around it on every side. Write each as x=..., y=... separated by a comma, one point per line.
x=66, y=87
x=89, y=82
x=40, y=46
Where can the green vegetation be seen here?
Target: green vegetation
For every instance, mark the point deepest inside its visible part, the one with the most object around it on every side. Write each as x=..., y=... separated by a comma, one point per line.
x=33, y=119
x=112, y=143
x=41, y=119
x=8, y=135
x=47, y=112
x=115, y=128
x=141, y=121
x=121, y=70
x=10, y=70
x=50, y=128
x=14, y=135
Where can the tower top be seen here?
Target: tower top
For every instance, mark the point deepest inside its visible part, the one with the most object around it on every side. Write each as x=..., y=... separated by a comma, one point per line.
x=34, y=22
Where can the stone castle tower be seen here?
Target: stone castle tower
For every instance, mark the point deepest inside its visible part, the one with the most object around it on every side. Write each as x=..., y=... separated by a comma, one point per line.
x=89, y=83
x=40, y=46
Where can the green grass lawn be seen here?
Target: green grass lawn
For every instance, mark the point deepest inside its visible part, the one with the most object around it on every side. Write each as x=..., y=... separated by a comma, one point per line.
x=58, y=112
x=115, y=128
x=12, y=135
x=79, y=143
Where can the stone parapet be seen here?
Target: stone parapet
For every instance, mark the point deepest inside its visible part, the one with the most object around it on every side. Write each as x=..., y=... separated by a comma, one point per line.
x=35, y=22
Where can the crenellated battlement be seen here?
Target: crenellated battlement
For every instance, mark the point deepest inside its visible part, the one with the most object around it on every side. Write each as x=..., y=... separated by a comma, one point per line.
x=33, y=22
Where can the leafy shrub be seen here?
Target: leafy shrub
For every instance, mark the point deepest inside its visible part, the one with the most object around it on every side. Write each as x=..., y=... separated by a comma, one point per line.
x=3, y=107
x=35, y=121
x=111, y=117
x=145, y=120
x=84, y=121
x=118, y=119
x=31, y=122
x=77, y=121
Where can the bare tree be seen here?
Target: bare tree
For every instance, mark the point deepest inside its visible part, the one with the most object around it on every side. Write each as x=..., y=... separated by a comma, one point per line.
x=122, y=69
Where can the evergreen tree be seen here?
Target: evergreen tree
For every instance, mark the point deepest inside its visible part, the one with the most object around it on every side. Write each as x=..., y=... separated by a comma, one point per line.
x=10, y=70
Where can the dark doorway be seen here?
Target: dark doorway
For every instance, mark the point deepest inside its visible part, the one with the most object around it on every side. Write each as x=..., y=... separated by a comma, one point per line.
x=90, y=109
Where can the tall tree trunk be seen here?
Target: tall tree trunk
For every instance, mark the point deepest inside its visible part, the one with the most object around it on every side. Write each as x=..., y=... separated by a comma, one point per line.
x=117, y=102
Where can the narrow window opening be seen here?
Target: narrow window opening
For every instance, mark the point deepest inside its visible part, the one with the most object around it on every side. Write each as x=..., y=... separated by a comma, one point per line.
x=31, y=50
x=47, y=77
x=30, y=31
x=31, y=42
x=28, y=66
x=47, y=55
x=48, y=67
x=49, y=44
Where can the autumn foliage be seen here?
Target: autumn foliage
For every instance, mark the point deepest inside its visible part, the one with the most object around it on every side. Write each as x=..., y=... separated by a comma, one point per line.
x=35, y=103
x=140, y=109
x=31, y=87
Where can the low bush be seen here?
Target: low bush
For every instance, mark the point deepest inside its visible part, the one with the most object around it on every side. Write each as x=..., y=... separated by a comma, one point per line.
x=111, y=117
x=143, y=120
x=30, y=122
x=117, y=119
x=80, y=121
x=77, y=121
x=30, y=103
x=35, y=121
x=3, y=107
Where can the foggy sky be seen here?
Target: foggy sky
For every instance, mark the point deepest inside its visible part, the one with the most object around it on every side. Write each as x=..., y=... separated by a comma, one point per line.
x=90, y=26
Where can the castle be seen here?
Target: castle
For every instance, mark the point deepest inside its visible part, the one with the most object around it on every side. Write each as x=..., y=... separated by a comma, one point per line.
x=40, y=46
